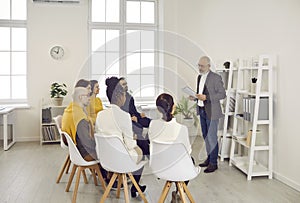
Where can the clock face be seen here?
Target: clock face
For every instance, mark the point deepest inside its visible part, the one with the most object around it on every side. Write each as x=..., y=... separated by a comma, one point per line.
x=57, y=52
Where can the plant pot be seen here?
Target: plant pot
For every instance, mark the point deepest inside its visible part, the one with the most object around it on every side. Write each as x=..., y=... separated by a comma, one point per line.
x=57, y=101
x=189, y=123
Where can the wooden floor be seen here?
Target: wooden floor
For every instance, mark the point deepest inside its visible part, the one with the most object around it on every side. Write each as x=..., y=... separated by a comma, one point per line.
x=28, y=172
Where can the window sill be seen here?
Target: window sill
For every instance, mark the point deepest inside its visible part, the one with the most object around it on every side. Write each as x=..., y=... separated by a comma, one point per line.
x=15, y=106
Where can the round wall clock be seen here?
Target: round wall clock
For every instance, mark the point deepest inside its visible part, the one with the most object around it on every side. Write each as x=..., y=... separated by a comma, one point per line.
x=57, y=52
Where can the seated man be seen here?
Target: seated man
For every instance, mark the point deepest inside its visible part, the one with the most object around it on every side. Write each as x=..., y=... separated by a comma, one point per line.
x=139, y=120
x=77, y=124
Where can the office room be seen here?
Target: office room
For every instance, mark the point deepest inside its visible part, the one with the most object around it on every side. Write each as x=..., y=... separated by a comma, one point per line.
x=156, y=46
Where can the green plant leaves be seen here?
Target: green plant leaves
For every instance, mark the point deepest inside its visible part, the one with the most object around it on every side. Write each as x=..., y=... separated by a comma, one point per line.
x=58, y=90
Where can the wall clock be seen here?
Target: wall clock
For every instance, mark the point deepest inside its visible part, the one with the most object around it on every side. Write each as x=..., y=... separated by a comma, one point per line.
x=57, y=52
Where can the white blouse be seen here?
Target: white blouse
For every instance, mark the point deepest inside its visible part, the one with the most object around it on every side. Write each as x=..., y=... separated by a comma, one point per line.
x=171, y=131
x=115, y=121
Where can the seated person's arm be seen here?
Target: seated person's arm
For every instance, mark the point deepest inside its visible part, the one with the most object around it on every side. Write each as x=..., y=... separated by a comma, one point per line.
x=85, y=142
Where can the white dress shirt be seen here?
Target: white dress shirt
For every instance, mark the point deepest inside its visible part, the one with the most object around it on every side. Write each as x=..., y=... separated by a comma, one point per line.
x=201, y=87
x=115, y=121
x=171, y=131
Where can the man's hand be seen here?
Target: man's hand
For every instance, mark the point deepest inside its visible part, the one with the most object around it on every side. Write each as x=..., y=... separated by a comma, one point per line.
x=143, y=115
x=192, y=98
x=134, y=118
x=201, y=97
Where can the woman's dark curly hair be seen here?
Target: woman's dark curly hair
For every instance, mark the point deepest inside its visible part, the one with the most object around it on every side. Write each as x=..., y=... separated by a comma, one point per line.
x=114, y=89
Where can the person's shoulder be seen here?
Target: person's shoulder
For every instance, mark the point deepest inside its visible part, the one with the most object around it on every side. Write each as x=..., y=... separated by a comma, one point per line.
x=214, y=75
x=155, y=123
x=119, y=111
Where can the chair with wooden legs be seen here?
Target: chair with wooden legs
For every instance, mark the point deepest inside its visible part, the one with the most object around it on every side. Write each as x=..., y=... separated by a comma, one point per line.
x=80, y=165
x=67, y=163
x=115, y=158
x=172, y=162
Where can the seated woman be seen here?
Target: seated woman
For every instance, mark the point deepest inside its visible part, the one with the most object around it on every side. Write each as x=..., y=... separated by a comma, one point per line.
x=95, y=102
x=167, y=129
x=115, y=121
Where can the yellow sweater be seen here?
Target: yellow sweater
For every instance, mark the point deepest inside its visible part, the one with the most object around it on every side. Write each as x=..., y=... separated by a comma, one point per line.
x=73, y=114
x=94, y=107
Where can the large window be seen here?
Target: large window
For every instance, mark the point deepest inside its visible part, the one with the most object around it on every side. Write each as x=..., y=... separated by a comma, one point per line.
x=124, y=43
x=13, y=51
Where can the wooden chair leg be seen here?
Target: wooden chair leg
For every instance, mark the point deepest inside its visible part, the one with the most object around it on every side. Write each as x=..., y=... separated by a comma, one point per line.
x=108, y=188
x=84, y=177
x=126, y=192
x=69, y=164
x=71, y=177
x=63, y=169
x=94, y=176
x=181, y=192
x=165, y=192
x=136, y=186
x=100, y=177
x=187, y=191
x=80, y=169
x=119, y=185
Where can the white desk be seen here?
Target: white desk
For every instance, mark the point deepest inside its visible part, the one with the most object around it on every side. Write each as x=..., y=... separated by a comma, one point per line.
x=5, y=119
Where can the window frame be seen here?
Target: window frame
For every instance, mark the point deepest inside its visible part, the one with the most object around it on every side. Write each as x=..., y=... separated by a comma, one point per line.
x=123, y=26
x=12, y=23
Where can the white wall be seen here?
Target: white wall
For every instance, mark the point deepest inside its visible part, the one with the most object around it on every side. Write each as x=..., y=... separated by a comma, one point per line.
x=49, y=25
x=239, y=28
x=224, y=29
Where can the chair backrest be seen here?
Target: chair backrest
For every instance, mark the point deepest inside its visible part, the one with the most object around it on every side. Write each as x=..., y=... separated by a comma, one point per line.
x=171, y=161
x=58, y=120
x=63, y=141
x=75, y=156
x=113, y=154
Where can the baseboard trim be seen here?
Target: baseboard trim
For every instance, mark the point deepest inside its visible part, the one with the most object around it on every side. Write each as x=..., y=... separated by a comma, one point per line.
x=287, y=181
x=27, y=139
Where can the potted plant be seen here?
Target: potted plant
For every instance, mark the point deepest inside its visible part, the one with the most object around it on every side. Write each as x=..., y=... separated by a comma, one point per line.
x=188, y=111
x=57, y=92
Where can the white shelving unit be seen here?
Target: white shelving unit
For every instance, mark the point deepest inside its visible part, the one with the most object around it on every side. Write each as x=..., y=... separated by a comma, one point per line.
x=48, y=130
x=251, y=151
x=225, y=135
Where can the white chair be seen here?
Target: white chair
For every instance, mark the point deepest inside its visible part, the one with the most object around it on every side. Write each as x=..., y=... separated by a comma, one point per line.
x=114, y=157
x=80, y=164
x=172, y=162
x=67, y=163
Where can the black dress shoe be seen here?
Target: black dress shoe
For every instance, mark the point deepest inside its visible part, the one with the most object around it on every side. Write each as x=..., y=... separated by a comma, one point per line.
x=134, y=192
x=211, y=168
x=205, y=163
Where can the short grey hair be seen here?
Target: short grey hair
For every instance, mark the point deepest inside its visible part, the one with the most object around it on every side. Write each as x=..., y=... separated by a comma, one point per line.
x=206, y=58
x=77, y=92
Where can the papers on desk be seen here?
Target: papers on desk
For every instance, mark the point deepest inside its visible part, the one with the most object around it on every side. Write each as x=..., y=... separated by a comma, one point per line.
x=2, y=107
x=189, y=91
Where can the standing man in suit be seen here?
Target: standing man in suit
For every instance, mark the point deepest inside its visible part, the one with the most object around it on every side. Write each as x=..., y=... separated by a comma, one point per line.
x=210, y=90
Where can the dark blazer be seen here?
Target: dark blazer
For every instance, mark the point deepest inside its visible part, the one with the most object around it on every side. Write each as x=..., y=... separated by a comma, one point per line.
x=214, y=91
x=130, y=108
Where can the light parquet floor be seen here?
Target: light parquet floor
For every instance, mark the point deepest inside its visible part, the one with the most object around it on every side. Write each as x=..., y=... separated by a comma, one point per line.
x=28, y=173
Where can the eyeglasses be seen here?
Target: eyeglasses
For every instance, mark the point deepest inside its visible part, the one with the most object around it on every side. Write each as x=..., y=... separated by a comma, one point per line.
x=202, y=66
x=124, y=84
x=86, y=95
